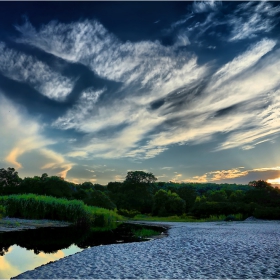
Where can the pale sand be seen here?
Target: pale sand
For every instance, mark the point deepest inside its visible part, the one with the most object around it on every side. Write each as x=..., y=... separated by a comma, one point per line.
x=16, y=224
x=235, y=250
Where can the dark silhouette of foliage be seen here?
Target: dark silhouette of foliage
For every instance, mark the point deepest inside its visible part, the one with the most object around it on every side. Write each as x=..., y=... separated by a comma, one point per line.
x=217, y=196
x=140, y=193
x=136, y=177
x=128, y=213
x=99, y=199
x=260, y=184
x=167, y=203
x=9, y=177
x=270, y=213
x=188, y=194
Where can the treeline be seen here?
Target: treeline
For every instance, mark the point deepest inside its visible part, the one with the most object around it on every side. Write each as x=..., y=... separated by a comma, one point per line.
x=92, y=195
x=141, y=194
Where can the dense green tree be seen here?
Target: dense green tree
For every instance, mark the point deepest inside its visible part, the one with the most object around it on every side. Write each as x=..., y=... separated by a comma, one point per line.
x=80, y=194
x=114, y=187
x=188, y=194
x=57, y=187
x=99, y=199
x=167, y=203
x=217, y=196
x=32, y=185
x=260, y=184
x=160, y=203
x=135, y=177
x=116, y=194
x=237, y=196
x=9, y=177
x=44, y=177
x=99, y=187
x=137, y=196
x=87, y=185
x=135, y=193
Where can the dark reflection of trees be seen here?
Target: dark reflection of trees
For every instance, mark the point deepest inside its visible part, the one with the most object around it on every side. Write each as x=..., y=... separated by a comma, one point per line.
x=50, y=240
x=3, y=250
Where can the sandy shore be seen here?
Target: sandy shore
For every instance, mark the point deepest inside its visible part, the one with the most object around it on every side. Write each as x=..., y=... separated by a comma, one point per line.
x=235, y=250
x=15, y=224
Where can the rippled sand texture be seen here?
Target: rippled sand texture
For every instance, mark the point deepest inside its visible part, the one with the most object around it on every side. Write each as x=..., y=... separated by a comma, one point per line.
x=235, y=250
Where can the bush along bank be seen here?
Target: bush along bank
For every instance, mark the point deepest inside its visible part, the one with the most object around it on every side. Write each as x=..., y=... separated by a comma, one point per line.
x=31, y=206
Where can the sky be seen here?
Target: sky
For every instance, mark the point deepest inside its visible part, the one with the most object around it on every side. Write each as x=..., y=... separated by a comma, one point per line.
x=189, y=91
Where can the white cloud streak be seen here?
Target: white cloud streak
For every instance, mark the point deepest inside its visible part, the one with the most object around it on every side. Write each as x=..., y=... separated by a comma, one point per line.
x=25, y=68
x=158, y=70
x=234, y=83
x=149, y=65
x=78, y=117
x=206, y=6
x=56, y=162
x=252, y=21
x=89, y=43
x=21, y=134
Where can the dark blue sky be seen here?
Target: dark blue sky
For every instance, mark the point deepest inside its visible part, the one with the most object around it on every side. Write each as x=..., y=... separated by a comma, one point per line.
x=186, y=90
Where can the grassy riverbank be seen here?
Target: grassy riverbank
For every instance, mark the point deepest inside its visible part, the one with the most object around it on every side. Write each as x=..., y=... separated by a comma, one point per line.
x=184, y=218
x=30, y=206
x=144, y=232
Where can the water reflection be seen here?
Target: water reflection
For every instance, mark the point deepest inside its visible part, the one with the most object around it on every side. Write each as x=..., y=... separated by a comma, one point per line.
x=25, y=250
x=18, y=259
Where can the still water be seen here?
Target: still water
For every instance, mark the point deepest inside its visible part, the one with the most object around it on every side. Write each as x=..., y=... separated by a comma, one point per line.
x=25, y=250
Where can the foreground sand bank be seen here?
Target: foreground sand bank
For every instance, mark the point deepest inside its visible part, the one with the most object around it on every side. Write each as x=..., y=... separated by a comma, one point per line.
x=235, y=250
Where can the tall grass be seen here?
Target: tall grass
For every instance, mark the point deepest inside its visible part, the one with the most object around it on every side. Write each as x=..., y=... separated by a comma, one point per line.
x=143, y=232
x=31, y=206
x=2, y=211
x=184, y=218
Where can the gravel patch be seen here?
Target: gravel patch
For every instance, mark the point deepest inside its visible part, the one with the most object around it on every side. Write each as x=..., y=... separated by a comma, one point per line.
x=212, y=250
x=15, y=224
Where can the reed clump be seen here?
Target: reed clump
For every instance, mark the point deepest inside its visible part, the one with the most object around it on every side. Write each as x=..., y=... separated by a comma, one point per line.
x=2, y=211
x=185, y=218
x=143, y=232
x=31, y=206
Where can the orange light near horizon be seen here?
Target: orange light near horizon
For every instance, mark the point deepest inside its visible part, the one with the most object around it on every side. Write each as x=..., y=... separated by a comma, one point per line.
x=274, y=181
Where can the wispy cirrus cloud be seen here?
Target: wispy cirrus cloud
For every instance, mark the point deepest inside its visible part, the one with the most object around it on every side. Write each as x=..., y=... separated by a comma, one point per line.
x=206, y=6
x=148, y=70
x=167, y=97
x=25, y=68
x=78, y=116
x=146, y=63
x=241, y=63
x=167, y=168
x=252, y=18
x=232, y=103
x=247, y=20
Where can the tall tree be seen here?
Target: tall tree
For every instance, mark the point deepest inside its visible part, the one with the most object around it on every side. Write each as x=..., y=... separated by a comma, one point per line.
x=136, y=177
x=9, y=177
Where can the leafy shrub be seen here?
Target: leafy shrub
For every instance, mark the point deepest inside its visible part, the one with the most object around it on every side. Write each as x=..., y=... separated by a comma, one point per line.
x=270, y=213
x=167, y=203
x=128, y=213
x=99, y=199
x=205, y=209
x=230, y=218
x=2, y=211
x=145, y=232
